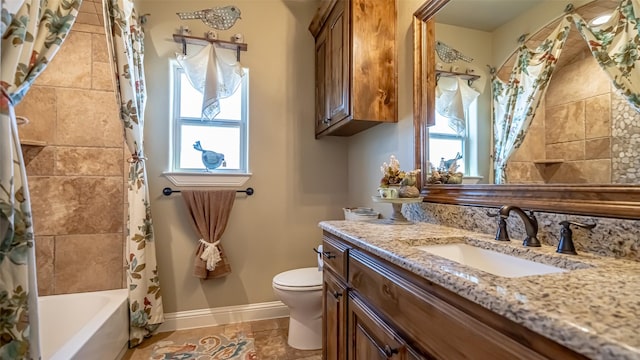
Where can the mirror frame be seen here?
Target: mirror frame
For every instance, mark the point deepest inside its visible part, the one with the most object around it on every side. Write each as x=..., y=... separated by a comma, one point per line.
x=619, y=201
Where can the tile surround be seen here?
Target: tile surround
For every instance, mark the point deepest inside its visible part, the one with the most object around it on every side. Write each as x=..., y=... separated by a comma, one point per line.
x=88, y=161
x=88, y=118
x=45, y=247
x=39, y=106
x=591, y=128
x=77, y=180
x=88, y=262
x=71, y=67
x=598, y=121
x=64, y=205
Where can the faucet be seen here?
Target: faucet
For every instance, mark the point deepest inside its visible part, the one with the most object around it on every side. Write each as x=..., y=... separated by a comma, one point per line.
x=530, y=224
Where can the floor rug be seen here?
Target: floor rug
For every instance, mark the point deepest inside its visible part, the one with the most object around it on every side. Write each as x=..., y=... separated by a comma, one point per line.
x=212, y=347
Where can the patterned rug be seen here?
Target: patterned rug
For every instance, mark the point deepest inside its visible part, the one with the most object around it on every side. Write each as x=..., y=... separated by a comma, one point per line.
x=213, y=347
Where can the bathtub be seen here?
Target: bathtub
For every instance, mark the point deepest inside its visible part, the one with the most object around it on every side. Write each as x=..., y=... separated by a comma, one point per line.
x=92, y=325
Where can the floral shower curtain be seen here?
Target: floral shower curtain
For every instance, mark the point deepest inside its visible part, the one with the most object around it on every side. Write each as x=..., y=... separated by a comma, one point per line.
x=515, y=102
x=32, y=33
x=125, y=43
x=615, y=46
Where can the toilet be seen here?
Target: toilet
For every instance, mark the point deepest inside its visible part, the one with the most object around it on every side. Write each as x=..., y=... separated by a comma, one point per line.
x=301, y=291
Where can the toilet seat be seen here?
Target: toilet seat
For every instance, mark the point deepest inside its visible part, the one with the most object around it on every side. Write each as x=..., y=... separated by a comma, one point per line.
x=305, y=279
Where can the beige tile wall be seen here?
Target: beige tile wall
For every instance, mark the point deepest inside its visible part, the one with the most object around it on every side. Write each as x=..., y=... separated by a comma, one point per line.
x=77, y=179
x=575, y=128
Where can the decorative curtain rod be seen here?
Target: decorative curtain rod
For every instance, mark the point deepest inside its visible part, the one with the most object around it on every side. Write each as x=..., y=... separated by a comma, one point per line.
x=186, y=39
x=168, y=191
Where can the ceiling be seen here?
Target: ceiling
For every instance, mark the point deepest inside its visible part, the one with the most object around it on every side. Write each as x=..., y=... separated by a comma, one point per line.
x=482, y=14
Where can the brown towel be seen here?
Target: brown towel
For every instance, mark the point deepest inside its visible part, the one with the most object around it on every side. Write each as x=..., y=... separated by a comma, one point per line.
x=210, y=213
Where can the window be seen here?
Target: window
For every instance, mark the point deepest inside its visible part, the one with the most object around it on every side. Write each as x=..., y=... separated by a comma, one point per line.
x=226, y=134
x=445, y=143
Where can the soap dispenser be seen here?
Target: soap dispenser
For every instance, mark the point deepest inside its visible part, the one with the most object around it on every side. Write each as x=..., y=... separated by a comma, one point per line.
x=565, y=246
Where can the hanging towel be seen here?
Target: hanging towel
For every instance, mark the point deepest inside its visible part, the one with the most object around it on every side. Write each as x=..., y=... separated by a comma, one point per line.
x=210, y=212
x=215, y=76
x=453, y=97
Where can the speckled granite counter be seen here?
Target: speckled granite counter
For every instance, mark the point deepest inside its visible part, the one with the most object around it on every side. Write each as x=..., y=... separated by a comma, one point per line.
x=593, y=309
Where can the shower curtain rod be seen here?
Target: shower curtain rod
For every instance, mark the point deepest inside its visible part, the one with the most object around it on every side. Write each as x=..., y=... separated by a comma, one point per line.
x=168, y=191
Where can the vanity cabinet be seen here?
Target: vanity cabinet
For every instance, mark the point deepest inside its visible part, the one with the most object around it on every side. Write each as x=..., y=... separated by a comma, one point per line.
x=371, y=338
x=334, y=299
x=356, y=65
x=334, y=304
x=395, y=314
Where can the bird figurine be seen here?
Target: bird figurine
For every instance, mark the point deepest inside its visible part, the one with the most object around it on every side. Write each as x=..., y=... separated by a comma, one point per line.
x=210, y=159
x=220, y=18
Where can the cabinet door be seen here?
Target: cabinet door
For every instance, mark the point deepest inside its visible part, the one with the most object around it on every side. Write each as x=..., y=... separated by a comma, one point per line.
x=334, y=304
x=322, y=81
x=370, y=338
x=338, y=57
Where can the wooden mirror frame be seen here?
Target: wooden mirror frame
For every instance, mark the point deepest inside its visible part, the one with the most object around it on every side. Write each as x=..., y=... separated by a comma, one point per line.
x=620, y=201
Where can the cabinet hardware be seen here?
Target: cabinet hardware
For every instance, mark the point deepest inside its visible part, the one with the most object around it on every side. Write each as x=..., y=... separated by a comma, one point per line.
x=337, y=294
x=389, y=352
x=326, y=254
x=326, y=121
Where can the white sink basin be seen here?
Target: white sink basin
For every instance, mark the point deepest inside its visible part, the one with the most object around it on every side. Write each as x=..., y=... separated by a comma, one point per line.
x=490, y=261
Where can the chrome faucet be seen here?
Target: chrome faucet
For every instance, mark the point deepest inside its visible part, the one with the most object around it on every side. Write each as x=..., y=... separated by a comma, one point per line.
x=530, y=224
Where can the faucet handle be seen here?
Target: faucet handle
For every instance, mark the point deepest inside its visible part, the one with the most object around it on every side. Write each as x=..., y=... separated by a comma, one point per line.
x=534, y=220
x=501, y=233
x=565, y=246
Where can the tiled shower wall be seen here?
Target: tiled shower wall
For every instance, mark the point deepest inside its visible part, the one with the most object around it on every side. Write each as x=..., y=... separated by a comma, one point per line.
x=76, y=164
x=573, y=125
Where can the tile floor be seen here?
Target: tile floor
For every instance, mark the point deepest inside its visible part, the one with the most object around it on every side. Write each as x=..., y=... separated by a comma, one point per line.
x=270, y=340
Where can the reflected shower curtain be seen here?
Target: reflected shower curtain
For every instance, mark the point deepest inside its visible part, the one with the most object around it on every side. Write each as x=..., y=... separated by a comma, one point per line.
x=32, y=33
x=616, y=47
x=515, y=102
x=125, y=43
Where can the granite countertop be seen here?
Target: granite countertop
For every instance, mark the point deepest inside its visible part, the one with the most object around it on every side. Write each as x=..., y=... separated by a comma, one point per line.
x=593, y=309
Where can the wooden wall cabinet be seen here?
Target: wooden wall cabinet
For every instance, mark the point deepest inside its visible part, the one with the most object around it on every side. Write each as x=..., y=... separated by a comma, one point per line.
x=390, y=313
x=356, y=65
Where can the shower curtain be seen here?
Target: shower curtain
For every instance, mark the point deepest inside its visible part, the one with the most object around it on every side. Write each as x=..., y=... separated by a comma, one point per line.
x=616, y=47
x=515, y=102
x=32, y=33
x=126, y=47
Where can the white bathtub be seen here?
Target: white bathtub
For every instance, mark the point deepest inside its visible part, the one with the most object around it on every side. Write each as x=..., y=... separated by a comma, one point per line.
x=81, y=326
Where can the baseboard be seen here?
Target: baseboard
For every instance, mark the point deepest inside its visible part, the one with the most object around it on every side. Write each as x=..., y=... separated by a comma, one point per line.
x=223, y=315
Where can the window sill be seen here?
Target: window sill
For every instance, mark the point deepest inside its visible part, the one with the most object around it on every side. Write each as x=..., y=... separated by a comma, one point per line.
x=206, y=179
x=471, y=179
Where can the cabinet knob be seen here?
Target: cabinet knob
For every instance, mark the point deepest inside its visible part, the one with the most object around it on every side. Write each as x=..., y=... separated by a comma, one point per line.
x=337, y=294
x=327, y=121
x=389, y=352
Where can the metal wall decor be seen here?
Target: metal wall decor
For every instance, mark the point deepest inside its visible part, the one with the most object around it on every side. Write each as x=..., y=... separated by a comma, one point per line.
x=220, y=18
x=448, y=54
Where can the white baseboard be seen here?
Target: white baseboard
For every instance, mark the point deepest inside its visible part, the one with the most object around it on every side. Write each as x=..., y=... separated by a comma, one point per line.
x=192, y=319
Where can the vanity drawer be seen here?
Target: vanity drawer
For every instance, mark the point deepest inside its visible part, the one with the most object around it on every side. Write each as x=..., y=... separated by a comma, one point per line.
x=334, y=254
x=431, y=324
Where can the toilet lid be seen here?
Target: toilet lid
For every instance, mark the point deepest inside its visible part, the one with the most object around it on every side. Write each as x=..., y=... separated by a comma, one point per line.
x=306, y=277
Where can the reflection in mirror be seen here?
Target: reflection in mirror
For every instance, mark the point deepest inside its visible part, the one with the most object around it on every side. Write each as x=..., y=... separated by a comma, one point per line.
x=576, y=135
x=557, y=157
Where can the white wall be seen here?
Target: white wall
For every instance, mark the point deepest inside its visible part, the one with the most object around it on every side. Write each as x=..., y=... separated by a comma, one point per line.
x=298, y=180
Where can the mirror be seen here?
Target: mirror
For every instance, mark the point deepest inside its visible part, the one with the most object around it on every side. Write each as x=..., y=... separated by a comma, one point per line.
x=587, y=199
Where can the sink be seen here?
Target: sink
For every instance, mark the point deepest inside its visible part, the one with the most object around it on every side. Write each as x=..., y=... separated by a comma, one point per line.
x=490, y=261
